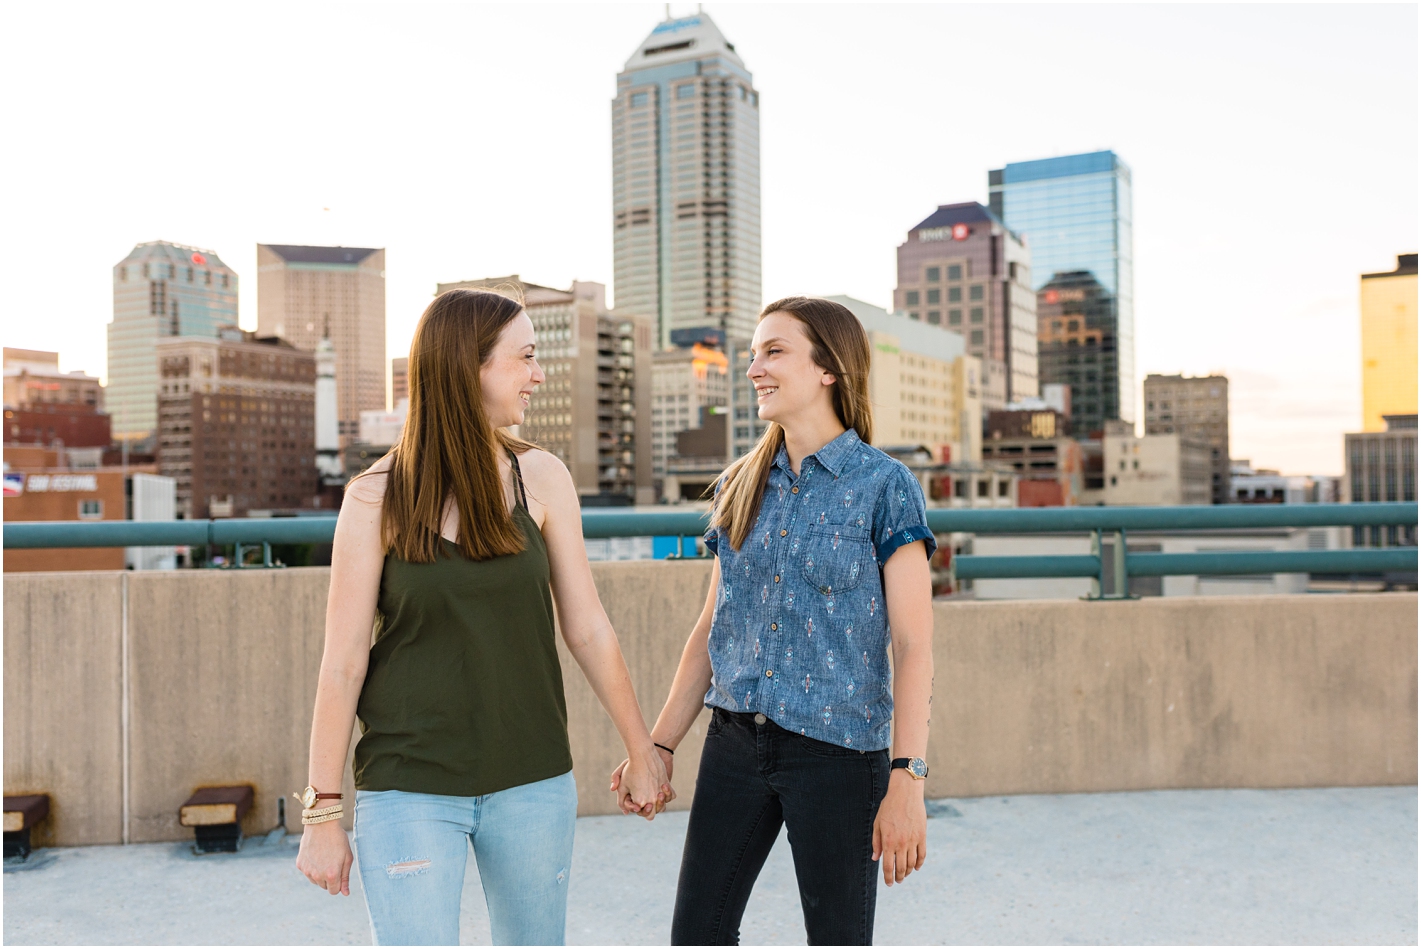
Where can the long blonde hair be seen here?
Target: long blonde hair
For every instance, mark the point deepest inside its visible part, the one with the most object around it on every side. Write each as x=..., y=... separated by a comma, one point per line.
x=449, y=449
x=838, y=345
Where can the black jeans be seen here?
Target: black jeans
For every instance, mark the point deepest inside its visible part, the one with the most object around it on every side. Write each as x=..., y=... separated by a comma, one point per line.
x=754, y=777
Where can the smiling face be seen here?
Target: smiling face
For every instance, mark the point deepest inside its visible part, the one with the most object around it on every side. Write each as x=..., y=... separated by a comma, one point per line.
x=788, y=383
x=511, y=373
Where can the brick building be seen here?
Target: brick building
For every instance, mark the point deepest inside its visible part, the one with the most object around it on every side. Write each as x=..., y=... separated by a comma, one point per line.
x=237, y=423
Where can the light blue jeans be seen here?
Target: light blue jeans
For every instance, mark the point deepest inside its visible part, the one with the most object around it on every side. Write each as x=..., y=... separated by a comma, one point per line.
x=412, y=849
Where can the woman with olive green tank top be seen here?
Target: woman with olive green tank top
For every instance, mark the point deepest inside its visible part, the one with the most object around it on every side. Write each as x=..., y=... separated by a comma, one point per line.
x=455, y=547
x=464, y=691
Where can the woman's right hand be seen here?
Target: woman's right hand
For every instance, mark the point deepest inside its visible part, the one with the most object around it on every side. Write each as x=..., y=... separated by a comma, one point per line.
x=624, y=801
x=325, y=857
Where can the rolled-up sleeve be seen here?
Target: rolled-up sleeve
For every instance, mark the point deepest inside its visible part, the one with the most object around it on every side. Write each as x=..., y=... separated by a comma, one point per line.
x=901, y=516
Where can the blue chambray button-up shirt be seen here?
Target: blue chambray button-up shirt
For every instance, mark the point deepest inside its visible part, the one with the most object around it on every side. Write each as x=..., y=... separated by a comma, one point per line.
x=800, y=633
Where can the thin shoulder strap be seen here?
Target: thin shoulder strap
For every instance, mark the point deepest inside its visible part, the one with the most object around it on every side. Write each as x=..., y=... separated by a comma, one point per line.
x=521, y=492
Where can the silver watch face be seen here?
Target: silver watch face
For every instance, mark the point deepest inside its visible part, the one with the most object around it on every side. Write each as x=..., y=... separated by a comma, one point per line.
x=918, y=767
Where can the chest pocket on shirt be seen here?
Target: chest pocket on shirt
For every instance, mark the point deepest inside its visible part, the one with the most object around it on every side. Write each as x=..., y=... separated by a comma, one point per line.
x=836, y=557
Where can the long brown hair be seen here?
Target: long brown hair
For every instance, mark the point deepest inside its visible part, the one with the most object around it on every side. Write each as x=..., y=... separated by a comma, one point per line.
x=449, y=450
x=839, y=345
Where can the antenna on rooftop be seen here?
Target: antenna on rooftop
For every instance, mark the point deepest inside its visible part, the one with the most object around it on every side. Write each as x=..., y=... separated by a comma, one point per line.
x=668, y=11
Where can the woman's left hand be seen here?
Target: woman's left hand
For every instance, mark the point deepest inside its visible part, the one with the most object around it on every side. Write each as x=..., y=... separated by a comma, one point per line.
x=900, y=831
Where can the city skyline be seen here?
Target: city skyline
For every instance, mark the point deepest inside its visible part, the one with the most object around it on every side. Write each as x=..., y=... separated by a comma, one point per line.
x=1239, y=266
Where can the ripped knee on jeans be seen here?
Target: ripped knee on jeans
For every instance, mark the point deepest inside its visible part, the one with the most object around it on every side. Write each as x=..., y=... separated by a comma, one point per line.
x=406, y=868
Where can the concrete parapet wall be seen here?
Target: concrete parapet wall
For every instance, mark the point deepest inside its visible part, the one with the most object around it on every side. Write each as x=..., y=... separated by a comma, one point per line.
x=213, y=673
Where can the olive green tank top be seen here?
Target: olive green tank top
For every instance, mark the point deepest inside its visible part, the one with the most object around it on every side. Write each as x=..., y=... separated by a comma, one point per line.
x=464, y=691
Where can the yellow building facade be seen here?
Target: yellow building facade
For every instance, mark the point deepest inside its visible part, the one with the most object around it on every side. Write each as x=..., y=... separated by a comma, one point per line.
x=926, y=389
x=1389, y=343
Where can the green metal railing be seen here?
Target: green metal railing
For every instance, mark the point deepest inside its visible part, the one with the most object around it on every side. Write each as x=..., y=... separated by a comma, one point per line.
x=1106, y=525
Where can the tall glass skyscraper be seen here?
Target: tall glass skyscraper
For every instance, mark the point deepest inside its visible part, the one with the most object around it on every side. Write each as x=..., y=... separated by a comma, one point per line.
x=1076, y=214
x=686, y=185
x=159, y=289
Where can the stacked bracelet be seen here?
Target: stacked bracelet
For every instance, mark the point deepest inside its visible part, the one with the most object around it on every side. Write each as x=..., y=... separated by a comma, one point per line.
x=322, y=819
x=322, y=814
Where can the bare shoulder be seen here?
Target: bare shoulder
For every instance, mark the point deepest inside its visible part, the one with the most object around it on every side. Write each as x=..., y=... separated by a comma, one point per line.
x=369, y=488
x=544, y=473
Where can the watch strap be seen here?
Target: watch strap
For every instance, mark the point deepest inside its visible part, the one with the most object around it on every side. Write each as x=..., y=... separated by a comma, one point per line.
x=326, y=795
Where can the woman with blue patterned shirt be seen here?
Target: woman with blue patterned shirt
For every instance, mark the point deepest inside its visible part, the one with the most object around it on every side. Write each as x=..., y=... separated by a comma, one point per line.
x=822, y=547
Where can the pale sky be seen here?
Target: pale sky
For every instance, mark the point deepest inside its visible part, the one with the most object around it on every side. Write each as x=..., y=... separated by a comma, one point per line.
x=1274, y=152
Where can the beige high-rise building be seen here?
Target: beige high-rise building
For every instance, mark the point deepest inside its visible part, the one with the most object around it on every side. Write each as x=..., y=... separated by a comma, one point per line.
x=924, y=386
x=686, y=184
x=305, y=293
x=1196, y=407
x=594, y=410
x=1389, y=344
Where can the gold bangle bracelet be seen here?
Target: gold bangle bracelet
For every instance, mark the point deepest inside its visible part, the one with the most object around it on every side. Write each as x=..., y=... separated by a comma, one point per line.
x=321, y=820
x=322, y=811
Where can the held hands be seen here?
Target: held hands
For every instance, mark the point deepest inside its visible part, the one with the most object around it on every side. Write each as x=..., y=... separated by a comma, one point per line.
x=900, y=831
x=644, y=789
x=325, y=857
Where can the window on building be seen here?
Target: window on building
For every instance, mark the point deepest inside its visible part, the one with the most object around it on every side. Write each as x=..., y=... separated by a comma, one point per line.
x=913, y=315
x=207, y=277
x=954, y=317
x=638, y=99
x=189, y=275
x=934, y=295
x=123, y=273
x=975, y=292
x=911, y=298
x=959, y=488
x=91, y=509
x=954, y=294
x=686, y=91
x=1003, y=489
x=975, y=315
x=224, y=281
x=983, y=487
x=976, y=337
x=1075, y=325
x=954, y=271
x=935, y=317
x=934, y=274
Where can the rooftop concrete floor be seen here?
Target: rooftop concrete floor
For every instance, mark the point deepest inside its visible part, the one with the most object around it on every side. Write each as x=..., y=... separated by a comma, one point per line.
x=1333, y=865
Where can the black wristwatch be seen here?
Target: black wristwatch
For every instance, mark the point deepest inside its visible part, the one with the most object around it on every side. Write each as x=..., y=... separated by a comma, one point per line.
x=916, y=767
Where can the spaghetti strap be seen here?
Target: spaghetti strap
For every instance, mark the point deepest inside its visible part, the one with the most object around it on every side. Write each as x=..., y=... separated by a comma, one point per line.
x=522, y=492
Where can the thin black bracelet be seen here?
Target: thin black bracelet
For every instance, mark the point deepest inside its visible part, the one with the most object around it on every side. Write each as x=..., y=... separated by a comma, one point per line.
x=669, y=751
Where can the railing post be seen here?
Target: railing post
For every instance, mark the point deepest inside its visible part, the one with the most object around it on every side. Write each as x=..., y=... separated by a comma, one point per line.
x=1098, y=550
x=1122, y=579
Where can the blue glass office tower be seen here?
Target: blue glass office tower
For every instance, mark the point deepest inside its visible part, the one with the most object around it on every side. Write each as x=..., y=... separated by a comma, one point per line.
x=1076, y=214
